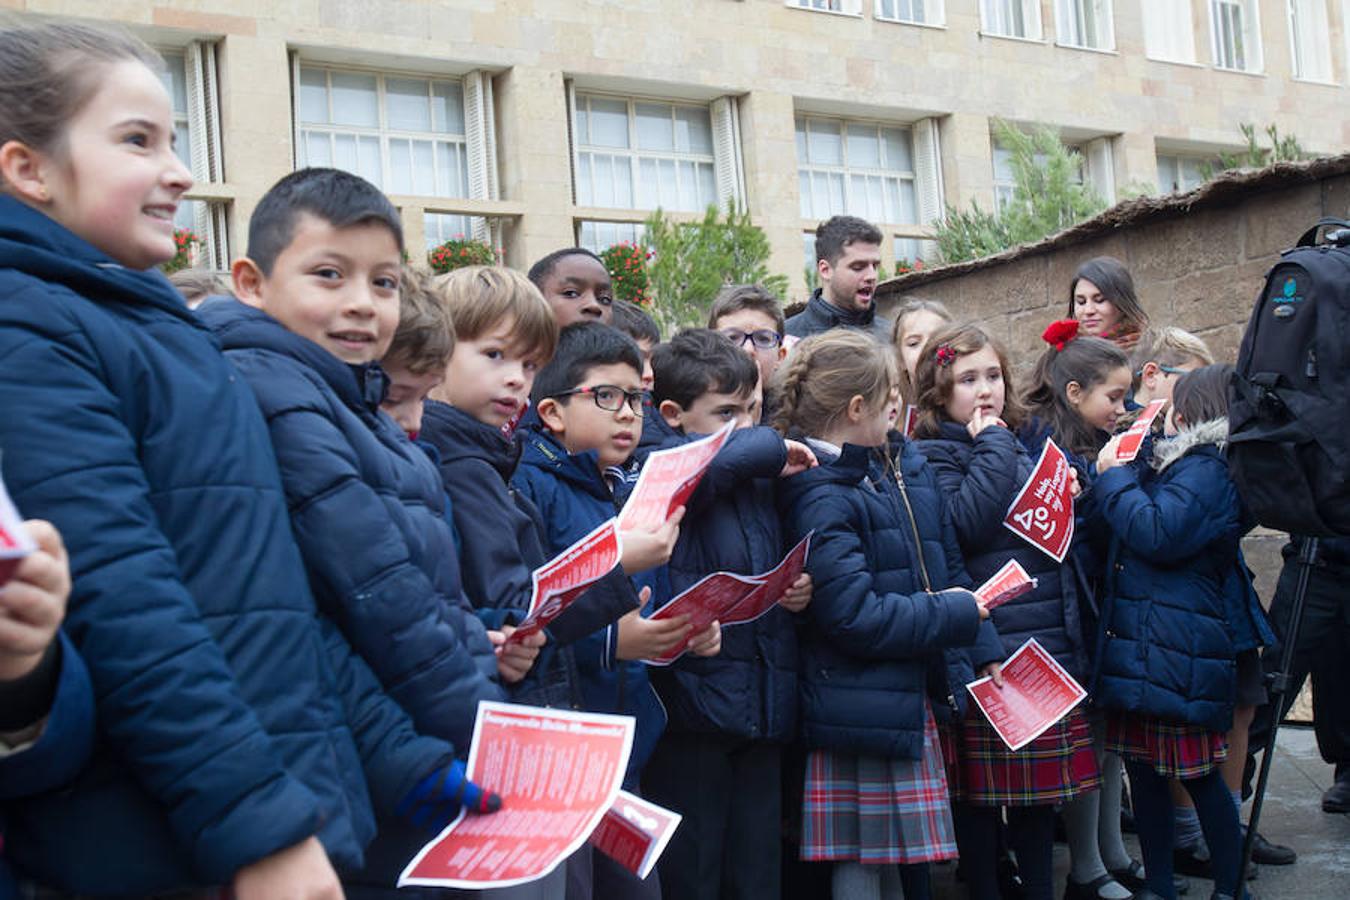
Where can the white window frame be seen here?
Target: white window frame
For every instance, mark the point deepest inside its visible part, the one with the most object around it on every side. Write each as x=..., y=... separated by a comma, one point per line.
x=932, y=13
x=633, y=154
x=1225, y=55
x=1004, y=188
x=458, y=181
x=1071, y=18
x=1174, y=160
x=1322, y=70
x=847, y=172
x=592, y=234
x=203, y=155
x=1169, y=18
x=996, y=18
x=851, y=8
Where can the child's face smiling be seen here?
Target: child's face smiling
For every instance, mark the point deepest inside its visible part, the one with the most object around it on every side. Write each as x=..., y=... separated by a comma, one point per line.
x=579, y=290
x=336, y=286
x=977, y=383
x=1104, y=403
x=117, y=183
x=490, y=376
x=582, y=425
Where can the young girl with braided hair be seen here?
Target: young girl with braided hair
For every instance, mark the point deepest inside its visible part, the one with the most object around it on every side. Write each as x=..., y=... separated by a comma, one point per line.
x=966, y=426
x=890, y=596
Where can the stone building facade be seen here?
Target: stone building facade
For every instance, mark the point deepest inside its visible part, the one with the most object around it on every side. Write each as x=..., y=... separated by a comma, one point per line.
x=538, y=123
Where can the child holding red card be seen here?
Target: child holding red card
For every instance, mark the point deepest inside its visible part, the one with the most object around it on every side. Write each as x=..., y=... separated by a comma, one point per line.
x=889, y=596
x=1167, y=650
x=966, y=415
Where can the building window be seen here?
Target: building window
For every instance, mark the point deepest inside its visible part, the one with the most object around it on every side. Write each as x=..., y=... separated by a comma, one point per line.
x=846, y=7
x=1235, y=35
x=405, y=135
x=916, y=12
x=1310, y=40
x=1179, y=173
x=863, y=169
x=1011, y=18
x=600, y=236
x=189, y=76
x=437, y=228
x=1169, y=31
x=642, y=154
x=1085, y=23
x=1005, y=181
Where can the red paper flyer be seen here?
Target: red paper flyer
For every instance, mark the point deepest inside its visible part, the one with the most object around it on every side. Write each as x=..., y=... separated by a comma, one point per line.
x=710, y=600
x=15, y=543
x=1133, y=439
x=565, y=577
x=1008, y=583
x=731, y=599
x=667, y=480
x=634, y=833
x=773, y=584
x=557, y=773
x=1036, y=694
x=1042, y=514
x=909, y=420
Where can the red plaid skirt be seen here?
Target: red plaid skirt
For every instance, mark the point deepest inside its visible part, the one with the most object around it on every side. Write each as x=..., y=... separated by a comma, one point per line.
x=949, y=739
x=875, y=810
x=1173, y=749
x=1056, y=767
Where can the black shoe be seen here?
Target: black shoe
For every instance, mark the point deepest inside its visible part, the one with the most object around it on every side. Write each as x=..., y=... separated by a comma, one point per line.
x=1337, y=797
x=1185, y=862
x=1131, y=877
x=1268, y=854
x=1090, y=891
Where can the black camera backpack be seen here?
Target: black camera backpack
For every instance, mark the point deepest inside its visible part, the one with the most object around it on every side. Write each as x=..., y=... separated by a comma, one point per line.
x=1289, y=416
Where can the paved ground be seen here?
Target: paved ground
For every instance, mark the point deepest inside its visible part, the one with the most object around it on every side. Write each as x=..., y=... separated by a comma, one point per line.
x=1292, y=815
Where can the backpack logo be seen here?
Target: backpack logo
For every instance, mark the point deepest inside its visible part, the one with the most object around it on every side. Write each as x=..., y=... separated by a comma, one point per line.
x=1286, y=299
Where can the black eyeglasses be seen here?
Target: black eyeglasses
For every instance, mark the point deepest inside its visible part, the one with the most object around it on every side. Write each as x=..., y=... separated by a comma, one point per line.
x=763, y=338
x=611, y=398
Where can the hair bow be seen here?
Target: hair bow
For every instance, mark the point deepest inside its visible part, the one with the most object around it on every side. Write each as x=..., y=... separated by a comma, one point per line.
x=1060, y=332
x=945, y=355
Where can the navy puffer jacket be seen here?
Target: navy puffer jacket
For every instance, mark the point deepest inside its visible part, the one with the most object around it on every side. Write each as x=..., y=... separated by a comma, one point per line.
x=821, y=315
x=979, y=479
x=880, y=616
x=1165, y=647
x=749, y=689
x=231, y=723
x=368, y=510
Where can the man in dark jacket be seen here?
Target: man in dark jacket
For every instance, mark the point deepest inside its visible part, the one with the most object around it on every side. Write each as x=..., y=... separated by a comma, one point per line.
x=233, y=726
x=848, y=255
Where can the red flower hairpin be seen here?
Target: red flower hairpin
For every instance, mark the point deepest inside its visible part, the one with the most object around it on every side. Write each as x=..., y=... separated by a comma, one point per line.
x=1060, y=332
x=945, y=355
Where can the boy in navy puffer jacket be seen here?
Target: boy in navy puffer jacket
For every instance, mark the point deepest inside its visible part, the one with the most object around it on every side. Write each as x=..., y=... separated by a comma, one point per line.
x=729, y=714
x=318, y=306
x=589, y=399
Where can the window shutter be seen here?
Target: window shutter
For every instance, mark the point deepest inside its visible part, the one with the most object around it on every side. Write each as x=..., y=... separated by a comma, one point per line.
x=296, y=155
x=727, y=164
x=481, y=145
x=928, y=172
x=571, y=92
x=1101, y=169
x=203, y=101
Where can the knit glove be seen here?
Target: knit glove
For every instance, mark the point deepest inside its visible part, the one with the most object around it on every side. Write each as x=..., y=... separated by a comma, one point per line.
x=435, y=801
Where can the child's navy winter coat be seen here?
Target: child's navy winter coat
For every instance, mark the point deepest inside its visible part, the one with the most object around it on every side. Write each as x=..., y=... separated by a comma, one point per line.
x=883, y=554
x=368, y=510
x=231, y=722
x=573, y=499
x=502, y=543
x=749, y=689
x=1165, y=646
x=979, y=478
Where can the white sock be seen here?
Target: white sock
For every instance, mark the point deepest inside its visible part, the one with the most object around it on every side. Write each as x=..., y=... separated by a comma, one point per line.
x=1109, y=838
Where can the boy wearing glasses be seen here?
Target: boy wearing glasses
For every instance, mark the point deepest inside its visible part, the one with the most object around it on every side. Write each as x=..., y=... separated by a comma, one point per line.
x=752, y=319
x=589, y=402
x=729, y=716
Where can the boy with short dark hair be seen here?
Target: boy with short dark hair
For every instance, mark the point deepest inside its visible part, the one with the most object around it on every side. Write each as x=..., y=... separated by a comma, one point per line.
x=589, y=400
x=576, y=285
x=730, y=714
x=318, y=307
x=633, y=321
x=752, y=319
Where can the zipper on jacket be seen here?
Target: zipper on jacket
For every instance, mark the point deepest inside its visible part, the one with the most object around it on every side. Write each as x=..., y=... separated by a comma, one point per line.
x=913, y=525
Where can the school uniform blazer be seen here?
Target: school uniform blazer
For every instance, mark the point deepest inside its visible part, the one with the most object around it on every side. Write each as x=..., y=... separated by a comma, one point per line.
x=1165, y=647
x=231, y=723
x=368, y=510
x=872, y=646
x=979, y=478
